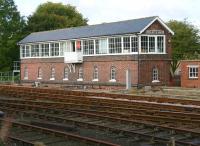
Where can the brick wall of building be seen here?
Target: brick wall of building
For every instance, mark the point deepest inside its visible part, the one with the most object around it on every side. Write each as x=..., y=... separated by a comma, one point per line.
x=104, y=67
x=146, y=72
x=185, y=80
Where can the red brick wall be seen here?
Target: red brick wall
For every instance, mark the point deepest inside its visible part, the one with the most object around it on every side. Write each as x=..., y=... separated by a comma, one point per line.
x=103, y=69
x=146, y=68
x=185, y=81
x=160, y=61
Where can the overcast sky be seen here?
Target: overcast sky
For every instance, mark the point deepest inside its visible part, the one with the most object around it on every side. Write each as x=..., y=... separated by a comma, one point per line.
x=99, y=11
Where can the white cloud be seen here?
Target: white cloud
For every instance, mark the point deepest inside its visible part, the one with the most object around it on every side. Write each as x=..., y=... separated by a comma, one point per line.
x=98, y=11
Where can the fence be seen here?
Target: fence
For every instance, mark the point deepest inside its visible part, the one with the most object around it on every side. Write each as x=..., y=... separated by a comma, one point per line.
x=11, y=76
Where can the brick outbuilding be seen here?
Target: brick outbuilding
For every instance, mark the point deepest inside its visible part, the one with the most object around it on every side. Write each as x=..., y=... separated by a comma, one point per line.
x=100, y=54
x=190, y=76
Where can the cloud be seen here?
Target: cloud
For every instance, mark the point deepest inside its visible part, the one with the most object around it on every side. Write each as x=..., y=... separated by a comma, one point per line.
x=98, y=11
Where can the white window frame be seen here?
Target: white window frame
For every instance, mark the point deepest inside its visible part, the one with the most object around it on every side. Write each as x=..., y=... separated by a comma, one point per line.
x=66, y=74
x=67, y=47
x=53, y=73
x=25, y=73
x=39, y=73
x=113, y=46
x=194, y=70
x=80, y=74
x=156, y=44
x=95, y=74
x=112, y=74
x=155, y=75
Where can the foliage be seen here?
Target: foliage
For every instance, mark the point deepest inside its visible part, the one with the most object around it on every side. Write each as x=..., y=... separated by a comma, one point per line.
x=185, y=42
x=50, y=16
x=11, y=31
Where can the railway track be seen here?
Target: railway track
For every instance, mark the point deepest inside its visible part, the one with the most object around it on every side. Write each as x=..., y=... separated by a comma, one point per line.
x=148, y=131
x=26, y=134
x=178, y=119
x=155, y=115
x=19, y=90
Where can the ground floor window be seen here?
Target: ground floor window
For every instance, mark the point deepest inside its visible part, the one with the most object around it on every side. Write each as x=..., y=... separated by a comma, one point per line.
x=39, y=73
x=95, y=74
x=155, y=75
x=53, y=73
x=25, y=73
x=80, y=74
x=193, y=72
x=113, y=74
x=66, y=73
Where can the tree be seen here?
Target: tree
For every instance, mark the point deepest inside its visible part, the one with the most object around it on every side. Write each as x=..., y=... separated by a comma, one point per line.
x=185, y=42
x=49, y=16
x=11, y=31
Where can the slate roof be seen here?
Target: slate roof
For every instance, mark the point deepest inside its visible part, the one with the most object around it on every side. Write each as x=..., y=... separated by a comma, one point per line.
x=104, y=29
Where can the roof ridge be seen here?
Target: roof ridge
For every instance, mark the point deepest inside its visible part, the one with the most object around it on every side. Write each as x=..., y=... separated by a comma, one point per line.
x=75, y=27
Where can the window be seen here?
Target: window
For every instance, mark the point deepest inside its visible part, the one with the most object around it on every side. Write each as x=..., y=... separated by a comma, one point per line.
x=152, y=44
x=35, y=50
x=155, y=75
x=88, y=47
x=134, y=44
x=126, y=44
x=115, y=45
x=54, y=49
x=193, y=72
x=44, y=50
x=101, y=46
x=27, y=51
x=52, y=74
x=25, y=73
x=63, y=46
x=80, y=74
x=39, y=73
x=95, y=74
x=160, y=44
x=144, y=44
x=66, y=73
x=113, y=74
x=23, y=51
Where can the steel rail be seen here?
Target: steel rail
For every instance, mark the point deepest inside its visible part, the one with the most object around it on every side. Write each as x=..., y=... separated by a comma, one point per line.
x=101, y=127
x=62, y=134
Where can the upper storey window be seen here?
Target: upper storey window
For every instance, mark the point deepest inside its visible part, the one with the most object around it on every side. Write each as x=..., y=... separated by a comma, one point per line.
x=88, y=47
x=35, y=50
x=45, y=49
x=115, y=45
x=101, y=46
x=54, y=49
x=118, y=45
x=152, y=44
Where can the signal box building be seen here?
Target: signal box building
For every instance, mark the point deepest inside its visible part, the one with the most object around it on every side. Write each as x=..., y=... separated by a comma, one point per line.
x=190, y=76
x=100, y=54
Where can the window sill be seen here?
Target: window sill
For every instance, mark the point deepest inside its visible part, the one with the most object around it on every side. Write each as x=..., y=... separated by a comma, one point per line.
x=65, y=79
x=39, y=78
x=155, y=81
x=193, y=78
x=113, y=80
x=25, y=78
x=95, y=80
x=79, y=79
x=51, y=79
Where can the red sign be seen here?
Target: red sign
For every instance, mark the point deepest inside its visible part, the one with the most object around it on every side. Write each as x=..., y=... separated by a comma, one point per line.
x=78, y=45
